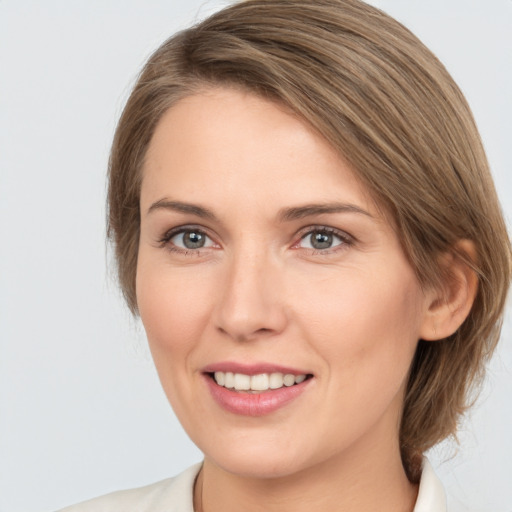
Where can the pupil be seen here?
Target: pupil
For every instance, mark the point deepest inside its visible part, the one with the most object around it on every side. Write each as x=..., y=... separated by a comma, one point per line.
x=193, y=240
x=321, y=240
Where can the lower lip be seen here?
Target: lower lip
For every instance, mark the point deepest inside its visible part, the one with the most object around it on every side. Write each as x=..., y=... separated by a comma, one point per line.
x=254, y=404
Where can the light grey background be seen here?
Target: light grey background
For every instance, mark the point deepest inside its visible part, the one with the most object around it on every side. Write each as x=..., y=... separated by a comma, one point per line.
x=81, y=410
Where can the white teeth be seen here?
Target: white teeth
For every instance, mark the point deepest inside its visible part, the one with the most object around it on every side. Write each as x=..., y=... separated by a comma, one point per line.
x=242, y=382
x=261, y=382
x=289, y=380
x=299, y=379
x=219, y=378
x=229, y=380
x=276, y=380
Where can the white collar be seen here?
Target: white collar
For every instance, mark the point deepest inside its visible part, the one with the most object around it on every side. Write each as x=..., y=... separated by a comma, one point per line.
x=431, y=496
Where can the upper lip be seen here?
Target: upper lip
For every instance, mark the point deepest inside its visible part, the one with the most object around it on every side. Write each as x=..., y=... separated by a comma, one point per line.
x=252, y=368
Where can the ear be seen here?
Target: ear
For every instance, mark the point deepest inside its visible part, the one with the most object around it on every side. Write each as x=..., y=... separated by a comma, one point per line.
x=449, y=305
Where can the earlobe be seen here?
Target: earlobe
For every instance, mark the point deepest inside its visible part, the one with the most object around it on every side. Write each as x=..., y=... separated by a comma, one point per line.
x=448, y=306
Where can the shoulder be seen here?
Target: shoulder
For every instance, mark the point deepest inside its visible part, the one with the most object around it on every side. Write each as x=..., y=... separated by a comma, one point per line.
x=431, y=495
x=170, y=495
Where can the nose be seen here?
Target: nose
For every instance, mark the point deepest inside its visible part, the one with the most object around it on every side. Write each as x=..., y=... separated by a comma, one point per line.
x=251, y=299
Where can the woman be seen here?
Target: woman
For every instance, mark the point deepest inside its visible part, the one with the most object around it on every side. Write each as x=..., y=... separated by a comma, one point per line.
x=304, y=219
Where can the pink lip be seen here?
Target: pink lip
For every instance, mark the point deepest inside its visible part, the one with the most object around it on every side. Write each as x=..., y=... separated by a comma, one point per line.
x=251, y=369
x=253, y=404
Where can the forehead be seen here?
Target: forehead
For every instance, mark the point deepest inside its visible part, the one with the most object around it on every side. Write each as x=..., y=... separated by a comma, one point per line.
x=242, y=150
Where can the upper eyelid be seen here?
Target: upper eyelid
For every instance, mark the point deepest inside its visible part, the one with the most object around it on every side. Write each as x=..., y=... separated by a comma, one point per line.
x=336, y=231
x=168, y=234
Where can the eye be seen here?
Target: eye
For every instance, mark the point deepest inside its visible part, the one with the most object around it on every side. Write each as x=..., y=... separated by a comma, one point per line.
x=322, y=239
x=187, y=239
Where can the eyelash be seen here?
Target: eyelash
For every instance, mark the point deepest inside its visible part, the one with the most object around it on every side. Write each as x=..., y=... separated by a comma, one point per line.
x=346, y=239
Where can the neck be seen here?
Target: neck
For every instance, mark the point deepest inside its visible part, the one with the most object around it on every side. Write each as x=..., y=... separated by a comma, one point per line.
x=348, y=483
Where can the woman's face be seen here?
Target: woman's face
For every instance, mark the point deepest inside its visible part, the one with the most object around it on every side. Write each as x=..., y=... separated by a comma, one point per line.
x=263, y=259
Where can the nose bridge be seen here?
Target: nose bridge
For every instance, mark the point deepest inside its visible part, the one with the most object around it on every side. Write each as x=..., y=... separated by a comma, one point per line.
x=250, y=304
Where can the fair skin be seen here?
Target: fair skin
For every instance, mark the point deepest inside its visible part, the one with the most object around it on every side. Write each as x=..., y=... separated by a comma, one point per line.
x=238, y=272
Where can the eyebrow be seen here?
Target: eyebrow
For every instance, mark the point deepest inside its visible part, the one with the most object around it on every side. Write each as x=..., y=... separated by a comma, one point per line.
x=300, y=212
x=285, y=214
x=178, y=206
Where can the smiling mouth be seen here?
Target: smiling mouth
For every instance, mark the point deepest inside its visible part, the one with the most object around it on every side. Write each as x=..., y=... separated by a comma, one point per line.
x=256, y=383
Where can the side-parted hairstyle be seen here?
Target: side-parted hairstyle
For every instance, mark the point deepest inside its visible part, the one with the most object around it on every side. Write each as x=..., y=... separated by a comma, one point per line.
x=384, y=101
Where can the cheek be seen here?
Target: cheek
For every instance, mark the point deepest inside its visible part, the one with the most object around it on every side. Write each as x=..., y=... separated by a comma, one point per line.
x=171, y=308
x=366, y=327
x=174, y=315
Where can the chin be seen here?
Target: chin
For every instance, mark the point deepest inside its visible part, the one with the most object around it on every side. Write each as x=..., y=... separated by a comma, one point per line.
x=276, y=465
x=261, y=456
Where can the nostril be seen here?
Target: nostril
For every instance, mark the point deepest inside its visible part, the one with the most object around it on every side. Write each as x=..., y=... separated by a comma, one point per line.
x=264, y=330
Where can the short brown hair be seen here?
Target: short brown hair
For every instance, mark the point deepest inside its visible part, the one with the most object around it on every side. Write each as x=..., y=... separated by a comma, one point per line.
x=384, y=101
